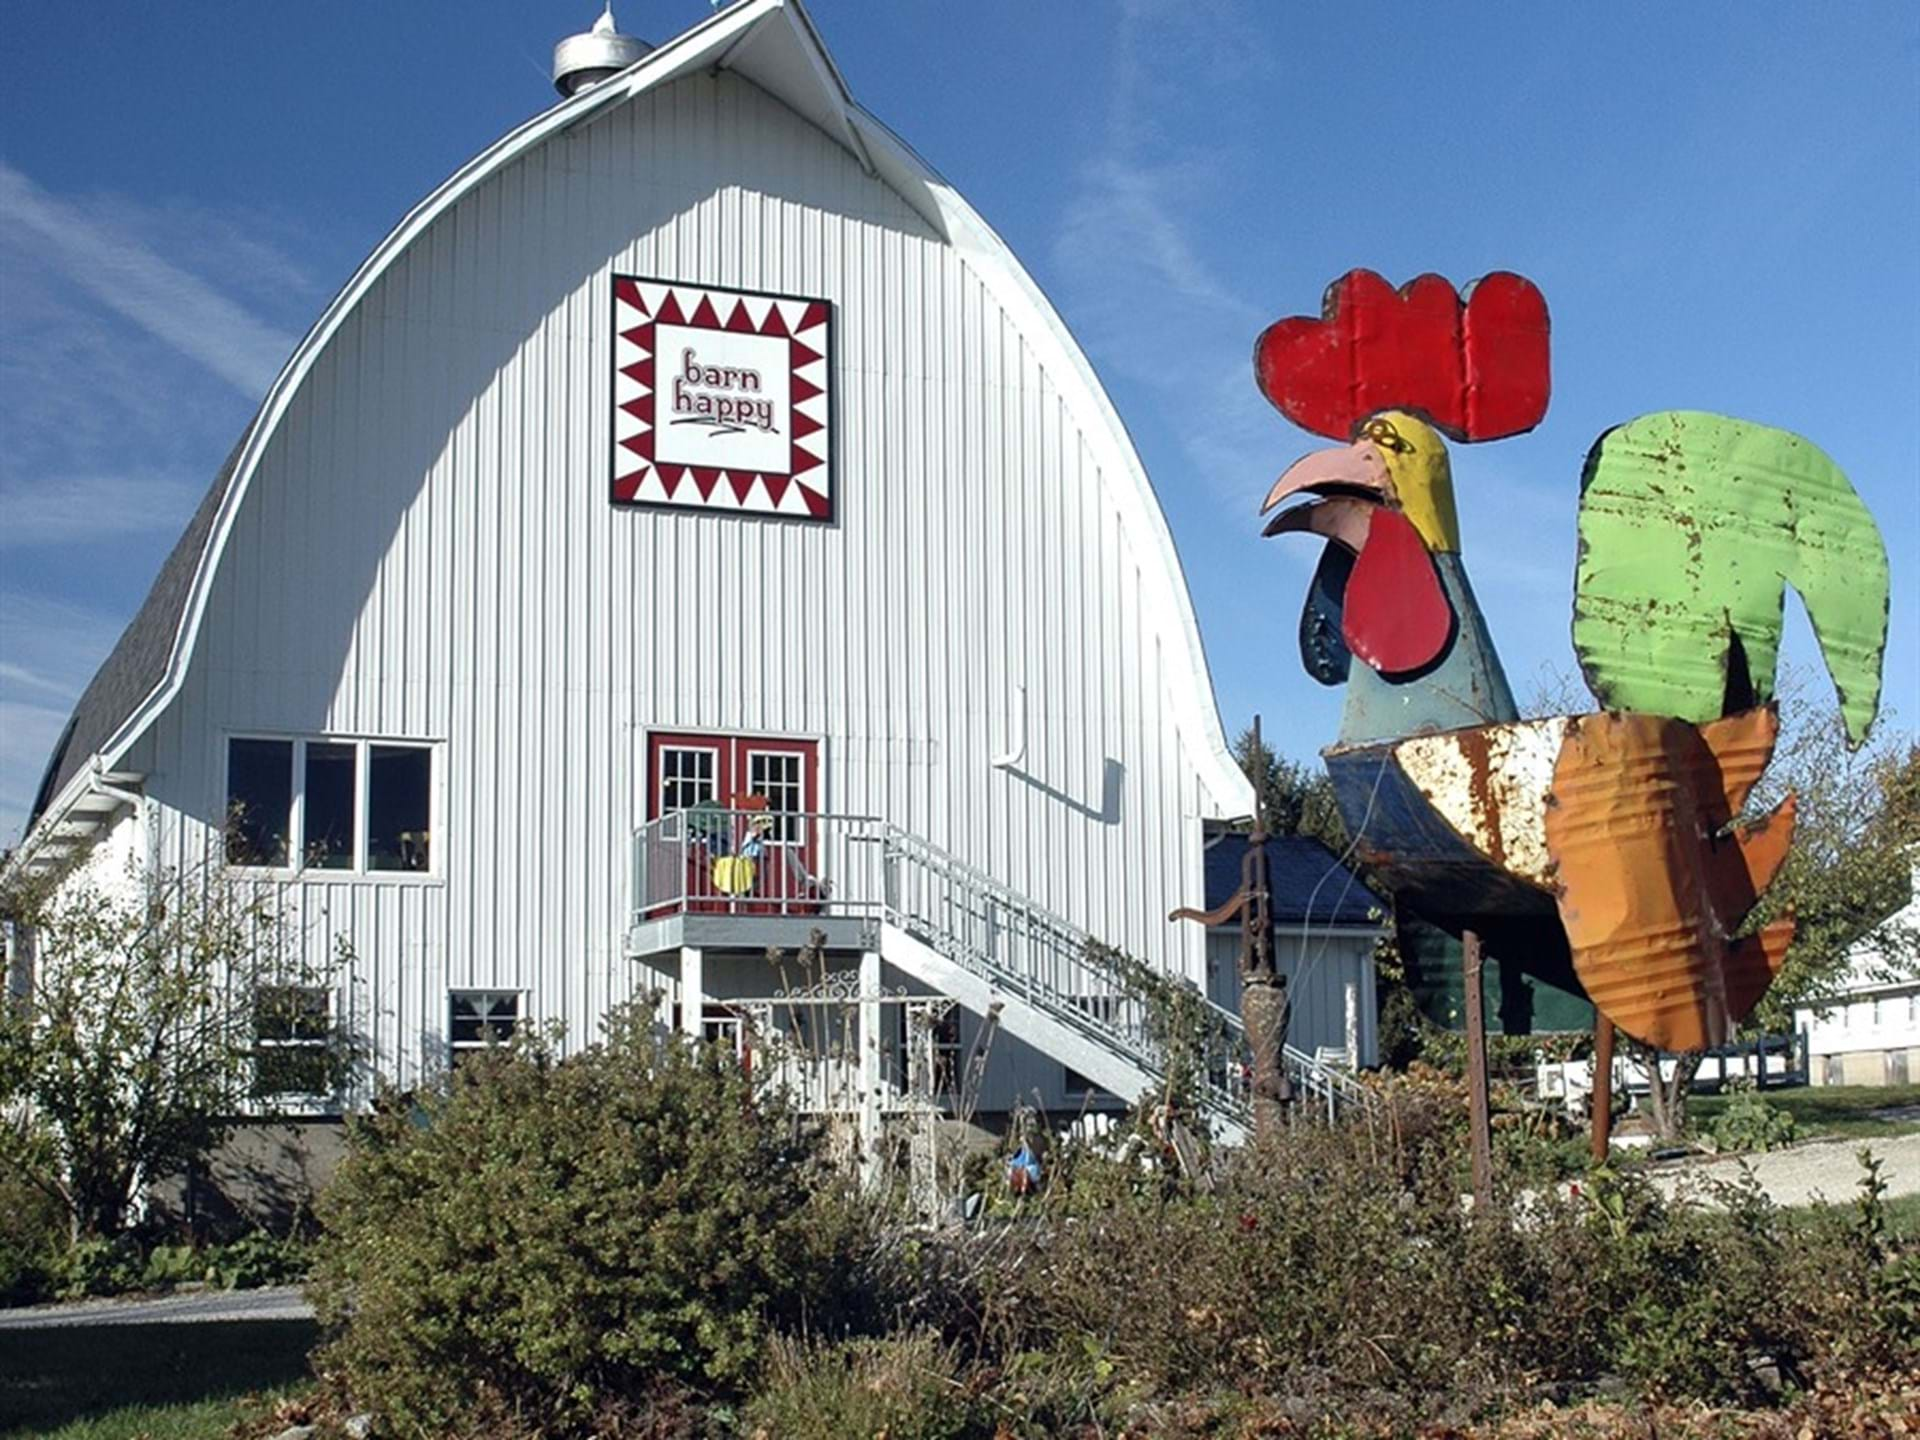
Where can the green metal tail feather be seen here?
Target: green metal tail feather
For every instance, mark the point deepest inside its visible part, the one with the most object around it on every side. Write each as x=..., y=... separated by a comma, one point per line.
x=1691, y=527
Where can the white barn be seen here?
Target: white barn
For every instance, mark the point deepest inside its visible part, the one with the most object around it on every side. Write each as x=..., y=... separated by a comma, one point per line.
x=689, y=528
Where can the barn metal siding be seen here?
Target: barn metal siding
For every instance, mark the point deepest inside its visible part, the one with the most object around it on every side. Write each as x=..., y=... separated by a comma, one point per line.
x=428, y=552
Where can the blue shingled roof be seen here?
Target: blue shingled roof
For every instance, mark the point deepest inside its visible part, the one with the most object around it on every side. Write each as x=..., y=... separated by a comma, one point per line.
x=1299, y=871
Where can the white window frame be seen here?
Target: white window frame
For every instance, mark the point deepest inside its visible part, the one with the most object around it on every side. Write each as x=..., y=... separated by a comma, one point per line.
x=457, y=1048
x=360, y=870
x=949, y=1056
x=312, y=1099
x=712, y=752
x=791, y=832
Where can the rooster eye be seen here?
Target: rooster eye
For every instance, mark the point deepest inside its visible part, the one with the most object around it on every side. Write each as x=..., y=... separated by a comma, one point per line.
x=1381, y=432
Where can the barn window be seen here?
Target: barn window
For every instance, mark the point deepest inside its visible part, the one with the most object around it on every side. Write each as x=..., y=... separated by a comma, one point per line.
x=722, y=1025
x=293, y=1040
x=259, y=801
x=347, y=806
x=328, y=800
x=399, y=796
x=480, y=1018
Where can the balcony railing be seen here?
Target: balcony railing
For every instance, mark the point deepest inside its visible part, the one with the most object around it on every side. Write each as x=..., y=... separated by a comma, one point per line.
x=710, y=861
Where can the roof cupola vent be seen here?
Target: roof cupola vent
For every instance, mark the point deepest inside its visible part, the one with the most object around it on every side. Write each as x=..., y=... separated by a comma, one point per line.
x=587, y=59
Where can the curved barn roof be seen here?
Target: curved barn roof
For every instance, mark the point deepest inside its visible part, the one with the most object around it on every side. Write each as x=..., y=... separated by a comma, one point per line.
x=772, y=43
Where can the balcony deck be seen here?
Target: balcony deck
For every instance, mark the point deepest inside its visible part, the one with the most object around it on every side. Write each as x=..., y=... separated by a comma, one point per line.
x=747, y=879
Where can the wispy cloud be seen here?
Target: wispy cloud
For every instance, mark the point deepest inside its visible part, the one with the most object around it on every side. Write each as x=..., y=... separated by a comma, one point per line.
x=1140, y=274
x=135, y=335
x=65, y=511
x=18, y=676
x=52, y=647
x=28, y=734
x=136, y=282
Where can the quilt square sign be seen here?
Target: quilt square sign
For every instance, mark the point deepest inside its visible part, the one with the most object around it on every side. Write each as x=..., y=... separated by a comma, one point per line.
x=721, y=399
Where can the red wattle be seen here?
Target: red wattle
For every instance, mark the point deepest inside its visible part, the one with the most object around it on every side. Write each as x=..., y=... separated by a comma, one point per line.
x=1397, y=618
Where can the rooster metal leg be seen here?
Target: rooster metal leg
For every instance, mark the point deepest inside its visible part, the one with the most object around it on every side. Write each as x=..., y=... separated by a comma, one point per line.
x=1600, y=1102
x=1479, y=1104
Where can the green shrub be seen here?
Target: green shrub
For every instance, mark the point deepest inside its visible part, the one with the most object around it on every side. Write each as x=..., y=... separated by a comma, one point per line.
x=1341, y=1271
x=96, y=1266
x=255, y=1259
x=170, y=1265
x=905, y=1387
x=1750, y=1123
x=546, y=1238
x=33, y=1229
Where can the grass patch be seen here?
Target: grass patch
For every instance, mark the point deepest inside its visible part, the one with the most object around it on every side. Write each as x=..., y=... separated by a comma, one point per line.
x=1826, y=1111
x=160, y=1382
x=1903, y=1217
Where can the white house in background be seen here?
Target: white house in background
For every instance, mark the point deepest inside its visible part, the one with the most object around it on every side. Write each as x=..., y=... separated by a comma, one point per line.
x=1867, y=1032
x=689, y=529
x=1326, y=924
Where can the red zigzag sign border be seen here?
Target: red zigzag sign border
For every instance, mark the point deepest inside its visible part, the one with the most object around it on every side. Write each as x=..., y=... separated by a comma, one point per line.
x=804, y=489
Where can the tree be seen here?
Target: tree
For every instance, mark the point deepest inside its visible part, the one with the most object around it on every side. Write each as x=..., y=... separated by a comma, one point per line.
x=1850, y=872
x=135, y=1047
x=1298, y=799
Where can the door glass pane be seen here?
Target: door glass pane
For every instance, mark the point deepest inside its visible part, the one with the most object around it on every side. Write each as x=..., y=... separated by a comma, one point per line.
x=259, y=801
x=774, y=775
x=399, y=787
x=328, y=838
x=686, y=777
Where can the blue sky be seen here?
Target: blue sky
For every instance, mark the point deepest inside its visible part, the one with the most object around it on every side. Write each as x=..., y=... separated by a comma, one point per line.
x=1720, y=201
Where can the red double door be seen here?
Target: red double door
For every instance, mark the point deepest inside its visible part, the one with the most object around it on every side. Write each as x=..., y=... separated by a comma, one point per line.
x=760, y=853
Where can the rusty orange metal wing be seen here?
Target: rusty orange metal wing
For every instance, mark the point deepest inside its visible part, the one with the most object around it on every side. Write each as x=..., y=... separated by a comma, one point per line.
x=1653, y=884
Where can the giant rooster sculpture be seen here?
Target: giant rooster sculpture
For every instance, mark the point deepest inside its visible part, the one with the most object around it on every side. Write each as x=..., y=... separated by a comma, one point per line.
x=1616, y=841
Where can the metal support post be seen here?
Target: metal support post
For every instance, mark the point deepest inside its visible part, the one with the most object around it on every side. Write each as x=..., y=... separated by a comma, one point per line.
x=1600, y=1121
x=871, y=1052
x=1479, y=1103
x=693, y=987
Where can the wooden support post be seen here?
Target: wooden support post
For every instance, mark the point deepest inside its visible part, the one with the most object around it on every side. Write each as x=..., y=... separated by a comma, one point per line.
x=1479, y=1103
x=1600, y=1120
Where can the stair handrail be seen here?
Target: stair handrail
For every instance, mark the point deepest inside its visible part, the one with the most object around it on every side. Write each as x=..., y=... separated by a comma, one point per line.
x=1341, y=1092
x=1034, y=922
x=1338, y=1091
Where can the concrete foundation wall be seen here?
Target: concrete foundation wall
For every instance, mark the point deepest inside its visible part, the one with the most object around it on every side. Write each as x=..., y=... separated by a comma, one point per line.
x=264, y=1175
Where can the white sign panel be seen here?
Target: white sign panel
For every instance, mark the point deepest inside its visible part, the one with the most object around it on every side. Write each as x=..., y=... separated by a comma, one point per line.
x=721, y=399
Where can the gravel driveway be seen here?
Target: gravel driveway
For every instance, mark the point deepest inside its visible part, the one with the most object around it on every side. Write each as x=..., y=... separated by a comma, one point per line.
x=279, y=1302
x=1818, y=1170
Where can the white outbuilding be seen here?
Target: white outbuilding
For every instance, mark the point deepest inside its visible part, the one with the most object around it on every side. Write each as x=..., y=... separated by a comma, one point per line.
x=1865, y=1030
x=689, y=530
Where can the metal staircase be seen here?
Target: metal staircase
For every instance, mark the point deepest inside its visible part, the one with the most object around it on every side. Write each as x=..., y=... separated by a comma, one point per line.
x=964, y=933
